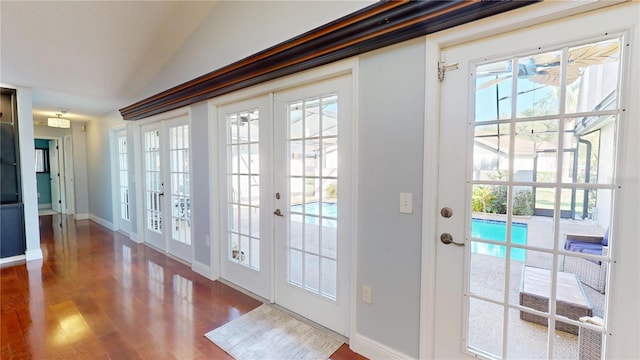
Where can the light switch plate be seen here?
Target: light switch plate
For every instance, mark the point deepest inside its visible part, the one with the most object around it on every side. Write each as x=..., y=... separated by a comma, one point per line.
x=406, y=203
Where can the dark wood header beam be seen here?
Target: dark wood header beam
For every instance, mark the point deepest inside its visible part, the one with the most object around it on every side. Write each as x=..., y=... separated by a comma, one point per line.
x=376, y=26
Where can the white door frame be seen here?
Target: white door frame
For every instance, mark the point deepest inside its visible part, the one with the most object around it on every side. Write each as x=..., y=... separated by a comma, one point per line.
x=61, y=169
x=68, y=171
x=348, y=66
x=138, y=180
x=513, y=20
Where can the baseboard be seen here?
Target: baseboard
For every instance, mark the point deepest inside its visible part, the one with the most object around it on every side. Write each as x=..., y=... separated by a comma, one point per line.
x=35, y=254
x=11, y=259
x=202, y=269
x=82, y=216
x=44, y=206
x=134, y=237
x=101, y=221
x=372, y=349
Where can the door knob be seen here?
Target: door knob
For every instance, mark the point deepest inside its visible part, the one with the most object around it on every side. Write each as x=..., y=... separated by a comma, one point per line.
x=278, y=212
x=447, y=239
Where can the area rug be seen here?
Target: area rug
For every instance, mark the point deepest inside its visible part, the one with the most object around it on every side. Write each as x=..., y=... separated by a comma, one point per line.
x=268, y=333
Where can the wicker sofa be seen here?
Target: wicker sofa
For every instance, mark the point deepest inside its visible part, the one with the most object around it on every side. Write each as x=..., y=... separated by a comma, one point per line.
x=592, y=273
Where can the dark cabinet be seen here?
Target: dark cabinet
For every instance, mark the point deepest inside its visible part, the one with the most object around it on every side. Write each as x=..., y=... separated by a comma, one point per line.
x=12, y=235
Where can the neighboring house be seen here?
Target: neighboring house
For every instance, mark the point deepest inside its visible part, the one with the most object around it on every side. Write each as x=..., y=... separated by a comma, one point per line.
x=392, y=133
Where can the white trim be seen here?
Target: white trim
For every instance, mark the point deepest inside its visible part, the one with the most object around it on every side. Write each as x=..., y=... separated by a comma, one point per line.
x=202, y=269
x=516, y=19
x=214, y=196
x=336, y=69
x=139, y=181
x=355, y=169
x=101, y=221
x=83, y=216
x=11, y=259
x=183, y=111
x=372, y=349
x=34, y=254
x=429, y=201
x=134, y=237
x=44, y=206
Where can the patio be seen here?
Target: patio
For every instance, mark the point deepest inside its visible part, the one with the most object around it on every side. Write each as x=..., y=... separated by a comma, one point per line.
x=526, y=339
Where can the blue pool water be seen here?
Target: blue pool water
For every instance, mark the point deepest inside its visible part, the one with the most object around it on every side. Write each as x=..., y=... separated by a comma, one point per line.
x=329, y=210
x=497, y=230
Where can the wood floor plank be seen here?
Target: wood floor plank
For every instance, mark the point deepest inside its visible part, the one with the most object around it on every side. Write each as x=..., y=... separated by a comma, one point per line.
x=98, y=295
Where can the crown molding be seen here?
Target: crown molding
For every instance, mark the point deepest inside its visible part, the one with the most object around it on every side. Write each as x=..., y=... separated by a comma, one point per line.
x=373, y=27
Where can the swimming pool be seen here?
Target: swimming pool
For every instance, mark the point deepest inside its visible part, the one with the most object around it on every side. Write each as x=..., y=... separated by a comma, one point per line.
x=329, y=210
x=497, y=230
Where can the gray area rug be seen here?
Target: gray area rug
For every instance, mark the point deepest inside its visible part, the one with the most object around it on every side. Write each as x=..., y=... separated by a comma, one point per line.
x=268, y=333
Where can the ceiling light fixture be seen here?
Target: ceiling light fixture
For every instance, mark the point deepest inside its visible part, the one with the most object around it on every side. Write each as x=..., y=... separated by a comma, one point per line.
x=59, y=122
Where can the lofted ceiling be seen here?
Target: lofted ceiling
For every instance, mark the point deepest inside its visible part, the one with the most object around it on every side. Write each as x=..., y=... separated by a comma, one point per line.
x=90, y=57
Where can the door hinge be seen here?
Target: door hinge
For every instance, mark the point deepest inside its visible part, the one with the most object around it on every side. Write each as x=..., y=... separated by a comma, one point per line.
x=442, y=69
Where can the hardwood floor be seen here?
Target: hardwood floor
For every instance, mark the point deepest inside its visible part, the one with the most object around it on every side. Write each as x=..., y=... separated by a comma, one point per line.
x=98, y=295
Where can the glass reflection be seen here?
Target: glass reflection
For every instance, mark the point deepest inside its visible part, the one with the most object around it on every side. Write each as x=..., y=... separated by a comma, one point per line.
x=155, y=280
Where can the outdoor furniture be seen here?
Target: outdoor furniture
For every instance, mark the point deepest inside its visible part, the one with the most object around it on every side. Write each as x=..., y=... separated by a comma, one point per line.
x=571, y=300
x=592, y=273
x=590, y=341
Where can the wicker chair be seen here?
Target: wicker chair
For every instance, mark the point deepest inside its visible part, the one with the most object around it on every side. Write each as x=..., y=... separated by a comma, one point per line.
x=592, y=273
x=590, y=341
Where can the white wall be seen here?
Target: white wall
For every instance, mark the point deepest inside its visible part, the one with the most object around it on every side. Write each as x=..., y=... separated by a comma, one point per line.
x=237, y=29
x=98, y=160
x=391, y=105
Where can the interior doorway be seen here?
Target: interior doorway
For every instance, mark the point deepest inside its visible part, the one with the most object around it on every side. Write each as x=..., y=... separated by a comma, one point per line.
x=54, y=175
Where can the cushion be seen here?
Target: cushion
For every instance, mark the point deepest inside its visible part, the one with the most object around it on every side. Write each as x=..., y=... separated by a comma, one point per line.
x=583, y=247
x=605, y=238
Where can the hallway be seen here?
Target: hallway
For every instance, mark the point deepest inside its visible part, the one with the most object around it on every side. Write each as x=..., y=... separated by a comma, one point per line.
x=98, y=295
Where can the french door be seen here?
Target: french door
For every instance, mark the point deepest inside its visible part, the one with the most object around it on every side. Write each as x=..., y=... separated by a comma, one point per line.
x=541, y=120
x=167, y=194
x=55, y=167
x=313, y=132
x=285, y=158
x=246, y=192
x=122, y=177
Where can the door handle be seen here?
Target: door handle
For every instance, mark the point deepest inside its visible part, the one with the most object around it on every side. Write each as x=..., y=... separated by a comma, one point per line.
x=278, y=212
x=447, y=239
x=161, y=194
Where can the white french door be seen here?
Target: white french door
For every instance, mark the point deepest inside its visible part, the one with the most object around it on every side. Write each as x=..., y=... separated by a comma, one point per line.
x=532, y=143
x=122, y=177
x=154, y=199
x=246, y=172
x=55, y=169
x=314, y=196
x=282, y=168
x=179, y=188
x=167, y=188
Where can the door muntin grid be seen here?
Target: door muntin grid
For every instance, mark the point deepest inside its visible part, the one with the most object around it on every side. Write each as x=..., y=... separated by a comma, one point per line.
x=566, y=102
x=180, y=186
x=312, y=219
x=153, y=181
x=123, y=169
x=243, y=199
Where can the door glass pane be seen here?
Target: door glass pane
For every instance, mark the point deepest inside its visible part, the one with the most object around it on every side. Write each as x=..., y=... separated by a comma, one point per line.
x=180, y=198
x=243, y=166
x=541, y=193
x=313, y=194
x=153, y=187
